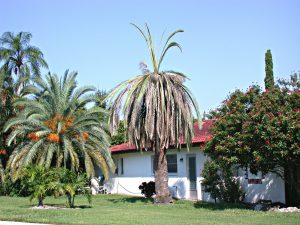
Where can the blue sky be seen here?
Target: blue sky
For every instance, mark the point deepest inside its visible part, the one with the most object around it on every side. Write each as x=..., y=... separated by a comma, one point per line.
x=223, y=44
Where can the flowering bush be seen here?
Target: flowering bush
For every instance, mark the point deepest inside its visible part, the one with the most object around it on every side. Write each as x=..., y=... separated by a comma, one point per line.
x=259, y=129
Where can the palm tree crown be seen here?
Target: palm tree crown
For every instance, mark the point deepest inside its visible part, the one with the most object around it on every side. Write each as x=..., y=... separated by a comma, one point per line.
x=156, y=106
x=57, y=129
x=19, y=57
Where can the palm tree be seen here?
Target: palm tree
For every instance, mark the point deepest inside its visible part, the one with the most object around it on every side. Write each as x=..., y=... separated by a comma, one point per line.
x=69, y=184
x=39, y=181
x=157, y=110
x=20, y=58
x=57, y=129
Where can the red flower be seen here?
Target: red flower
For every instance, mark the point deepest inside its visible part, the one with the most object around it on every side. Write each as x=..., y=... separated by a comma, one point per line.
x=220, y=156
x=2, y=152
x=267, y=142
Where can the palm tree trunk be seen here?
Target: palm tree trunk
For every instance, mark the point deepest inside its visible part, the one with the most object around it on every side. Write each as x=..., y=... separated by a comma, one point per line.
x=161, y=177
x=72, y=204
x=40, y=203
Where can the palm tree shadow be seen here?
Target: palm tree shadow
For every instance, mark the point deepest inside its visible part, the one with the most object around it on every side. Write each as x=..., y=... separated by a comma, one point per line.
x=132, y=200
x=58, y=206
x=219, y=206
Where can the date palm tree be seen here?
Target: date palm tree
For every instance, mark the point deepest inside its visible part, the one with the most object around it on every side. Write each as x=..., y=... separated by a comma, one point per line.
x=57, y=129
x=157, y=110
x=20, y=58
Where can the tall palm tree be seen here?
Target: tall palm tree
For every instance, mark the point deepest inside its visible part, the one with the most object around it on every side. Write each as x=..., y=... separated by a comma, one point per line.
x=57, y=129
x=157, y=110
x=20, y=58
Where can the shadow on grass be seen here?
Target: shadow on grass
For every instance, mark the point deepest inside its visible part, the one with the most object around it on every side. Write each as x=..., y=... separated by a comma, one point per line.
x=131, y=200
x=58, y=206
x=219, y=206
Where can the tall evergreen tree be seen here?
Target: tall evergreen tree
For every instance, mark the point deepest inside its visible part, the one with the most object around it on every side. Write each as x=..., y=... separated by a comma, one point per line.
x=269, y=79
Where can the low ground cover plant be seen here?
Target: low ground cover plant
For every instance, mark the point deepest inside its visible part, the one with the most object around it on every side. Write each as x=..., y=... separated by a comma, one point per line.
x=37, y=182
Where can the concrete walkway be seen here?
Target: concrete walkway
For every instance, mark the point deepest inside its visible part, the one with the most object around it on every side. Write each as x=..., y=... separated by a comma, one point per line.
x=19, y=223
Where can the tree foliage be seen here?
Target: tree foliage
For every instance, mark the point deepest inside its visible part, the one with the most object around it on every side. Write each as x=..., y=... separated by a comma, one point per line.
x=6, y=112
x=218, y=180
x=120, y=135
x=57, y=130
x=20, y=58
x=70, y=184
x=39, y=181
x=269, y=79
x=259, y=129
x=211, y=179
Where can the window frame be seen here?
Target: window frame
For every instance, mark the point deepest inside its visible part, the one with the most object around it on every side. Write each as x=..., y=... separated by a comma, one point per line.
x=169, y=173
x=121, y=170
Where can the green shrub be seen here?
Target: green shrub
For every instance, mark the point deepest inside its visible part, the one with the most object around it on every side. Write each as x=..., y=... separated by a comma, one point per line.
x=39, y=181
x=147, y=189
x=211, y=179
x=220, y=183
x=72, y=184
x=13, y=188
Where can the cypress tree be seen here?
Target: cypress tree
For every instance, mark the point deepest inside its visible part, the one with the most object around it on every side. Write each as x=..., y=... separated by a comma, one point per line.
x=269, y=79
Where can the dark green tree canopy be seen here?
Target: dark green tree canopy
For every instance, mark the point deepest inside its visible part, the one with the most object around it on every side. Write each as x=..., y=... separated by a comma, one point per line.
x=269, y=79
x=259, y=129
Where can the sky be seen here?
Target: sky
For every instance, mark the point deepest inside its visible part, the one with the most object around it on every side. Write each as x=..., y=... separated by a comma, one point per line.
x=224, y=42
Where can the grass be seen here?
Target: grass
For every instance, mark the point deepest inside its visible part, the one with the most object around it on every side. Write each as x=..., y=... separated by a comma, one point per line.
x=116, y=209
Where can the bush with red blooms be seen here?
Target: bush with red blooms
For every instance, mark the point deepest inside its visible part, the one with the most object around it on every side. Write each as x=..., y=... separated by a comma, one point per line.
x=259, y=129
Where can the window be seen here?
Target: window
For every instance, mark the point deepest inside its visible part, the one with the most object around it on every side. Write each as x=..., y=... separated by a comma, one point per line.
x=172, y=163
x=119, y=162
x=121, y=166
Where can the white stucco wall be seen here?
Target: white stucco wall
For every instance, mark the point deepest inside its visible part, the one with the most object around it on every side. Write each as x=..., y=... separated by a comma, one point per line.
x=137, y=168
x=271, y=188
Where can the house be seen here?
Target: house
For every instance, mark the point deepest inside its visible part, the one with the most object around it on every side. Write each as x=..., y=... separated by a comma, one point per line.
x=184, y=171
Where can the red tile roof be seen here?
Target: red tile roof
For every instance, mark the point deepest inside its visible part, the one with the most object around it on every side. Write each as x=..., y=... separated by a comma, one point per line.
x=200, y=136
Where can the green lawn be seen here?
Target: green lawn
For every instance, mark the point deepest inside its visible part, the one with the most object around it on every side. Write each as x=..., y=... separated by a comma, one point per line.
x=115, y=209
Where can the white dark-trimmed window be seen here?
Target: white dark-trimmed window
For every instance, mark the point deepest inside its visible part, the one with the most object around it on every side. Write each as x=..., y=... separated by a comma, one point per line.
x=121, y=166
x=172, y=163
